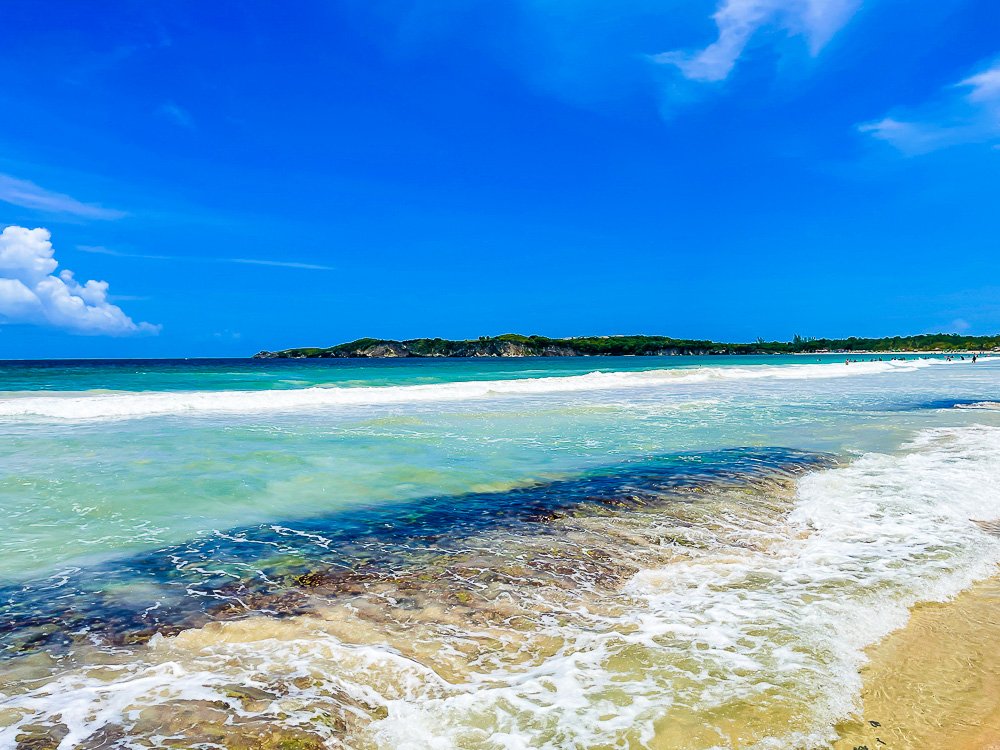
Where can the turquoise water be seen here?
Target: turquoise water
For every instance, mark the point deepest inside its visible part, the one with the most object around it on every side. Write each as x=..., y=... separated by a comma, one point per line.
x=254, y=374
x=79, y=488
x=309, y=498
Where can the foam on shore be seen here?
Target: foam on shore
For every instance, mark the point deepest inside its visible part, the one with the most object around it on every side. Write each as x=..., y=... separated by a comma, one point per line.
x=746, y=627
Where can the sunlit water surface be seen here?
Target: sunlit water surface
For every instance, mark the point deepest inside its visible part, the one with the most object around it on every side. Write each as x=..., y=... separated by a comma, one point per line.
x=543, y=553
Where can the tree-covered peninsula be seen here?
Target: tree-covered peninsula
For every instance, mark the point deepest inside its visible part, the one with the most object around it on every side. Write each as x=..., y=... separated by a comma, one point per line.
x=515, y=345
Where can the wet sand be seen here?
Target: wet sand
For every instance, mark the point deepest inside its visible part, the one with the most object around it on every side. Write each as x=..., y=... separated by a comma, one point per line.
x=936, y=682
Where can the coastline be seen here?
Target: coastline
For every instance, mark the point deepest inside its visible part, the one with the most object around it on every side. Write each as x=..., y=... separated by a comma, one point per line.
x=934, y=683
x=380, y=354
x=517, y=345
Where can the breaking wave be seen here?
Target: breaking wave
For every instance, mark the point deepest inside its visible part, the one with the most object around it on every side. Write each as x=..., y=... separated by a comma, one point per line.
x=72, y=406
x=984, y=405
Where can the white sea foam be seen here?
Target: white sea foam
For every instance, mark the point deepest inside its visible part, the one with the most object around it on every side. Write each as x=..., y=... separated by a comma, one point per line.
x=984, y=405
x=71, y=405
x=864, y=543
x=777, y=626
x=785, y=624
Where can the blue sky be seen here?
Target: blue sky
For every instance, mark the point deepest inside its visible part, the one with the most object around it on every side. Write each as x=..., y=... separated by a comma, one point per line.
x=233, y=176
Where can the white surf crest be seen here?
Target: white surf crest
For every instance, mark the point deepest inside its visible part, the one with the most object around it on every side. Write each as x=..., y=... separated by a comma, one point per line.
x=69, y=405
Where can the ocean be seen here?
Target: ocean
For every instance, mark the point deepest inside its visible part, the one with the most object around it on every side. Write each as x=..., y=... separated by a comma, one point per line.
x=679, y=553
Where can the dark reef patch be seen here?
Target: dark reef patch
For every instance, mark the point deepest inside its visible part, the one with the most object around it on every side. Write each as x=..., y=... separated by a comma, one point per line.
x=277, y=568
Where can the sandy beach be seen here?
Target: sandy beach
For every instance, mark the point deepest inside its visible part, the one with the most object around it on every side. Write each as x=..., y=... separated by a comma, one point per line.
x=936, y=682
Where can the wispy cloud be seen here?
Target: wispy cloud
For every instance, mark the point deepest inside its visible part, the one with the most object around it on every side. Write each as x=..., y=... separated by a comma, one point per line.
x=965, y=112
x=739, y=20
x=959, y=325
x=32, y=292
x=177, y=114
x=101, y=250
x=29, y=195
x=282, y=263
x=98, y=63
x=587, y=52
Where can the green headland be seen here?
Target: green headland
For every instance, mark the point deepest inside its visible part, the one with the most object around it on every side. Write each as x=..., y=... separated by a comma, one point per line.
x=515, y=345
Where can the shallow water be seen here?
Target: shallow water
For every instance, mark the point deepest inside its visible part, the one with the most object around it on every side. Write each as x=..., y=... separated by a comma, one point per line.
x=935, y=683
x=668, y=553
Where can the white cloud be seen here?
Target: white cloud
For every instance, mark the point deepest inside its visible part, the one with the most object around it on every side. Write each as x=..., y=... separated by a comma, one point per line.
x=29, y=195
x=739, y=20
x=966, y=112
x=31, y=292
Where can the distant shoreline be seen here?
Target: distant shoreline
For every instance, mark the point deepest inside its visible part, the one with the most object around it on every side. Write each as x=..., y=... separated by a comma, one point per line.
x=515, y=345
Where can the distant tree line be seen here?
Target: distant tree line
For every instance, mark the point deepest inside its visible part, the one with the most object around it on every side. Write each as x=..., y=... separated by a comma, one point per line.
x=516, y=345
